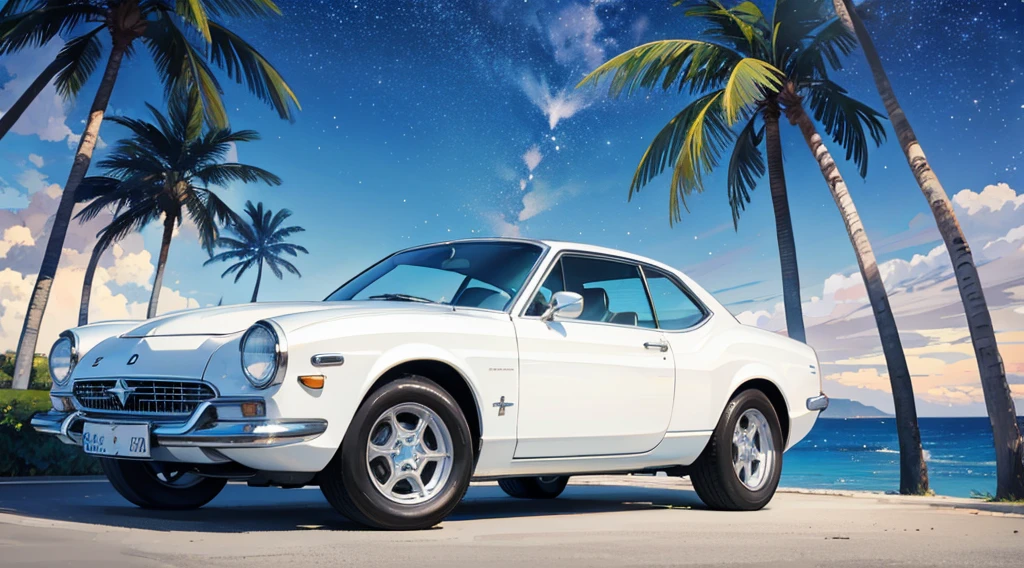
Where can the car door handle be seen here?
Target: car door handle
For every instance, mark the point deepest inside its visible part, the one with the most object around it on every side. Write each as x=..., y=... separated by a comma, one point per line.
x=660, y=346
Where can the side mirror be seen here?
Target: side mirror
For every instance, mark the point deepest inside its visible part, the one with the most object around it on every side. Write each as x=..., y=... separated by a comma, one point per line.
x=566, y=305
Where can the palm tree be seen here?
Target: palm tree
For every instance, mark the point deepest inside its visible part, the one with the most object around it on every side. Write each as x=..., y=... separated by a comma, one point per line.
x=165, y=171
x=183, y=40
x=1001, y=409
x=262, y=240
x=699, y=66
x=761, y=68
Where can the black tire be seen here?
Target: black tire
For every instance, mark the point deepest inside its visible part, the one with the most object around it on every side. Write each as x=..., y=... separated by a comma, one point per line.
x=141, y=484
x=544, y=487
x=716, y=482
x=346, y=480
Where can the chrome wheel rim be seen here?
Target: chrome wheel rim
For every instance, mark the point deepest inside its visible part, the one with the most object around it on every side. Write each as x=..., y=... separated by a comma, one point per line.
x=170, y=475
x=753, y=449
x=409, y=454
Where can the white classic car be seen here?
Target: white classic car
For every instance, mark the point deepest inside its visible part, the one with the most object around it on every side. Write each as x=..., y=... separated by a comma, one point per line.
x=516, y=360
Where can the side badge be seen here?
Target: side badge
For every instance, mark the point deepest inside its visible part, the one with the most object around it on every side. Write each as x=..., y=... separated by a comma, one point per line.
x=501, y=405
x=97, y=361
x=133, y=359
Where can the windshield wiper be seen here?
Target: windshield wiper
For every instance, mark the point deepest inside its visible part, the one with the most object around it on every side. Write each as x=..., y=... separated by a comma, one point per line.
x=401, y=298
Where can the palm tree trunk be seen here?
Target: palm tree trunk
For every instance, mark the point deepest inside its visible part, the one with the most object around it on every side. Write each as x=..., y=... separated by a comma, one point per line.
x=61, y=220
x=998, y=398
x=259, y=276
x=783, y=226
x=161, y=263
x=12, y=115
x=90, y=271
x=913, y=470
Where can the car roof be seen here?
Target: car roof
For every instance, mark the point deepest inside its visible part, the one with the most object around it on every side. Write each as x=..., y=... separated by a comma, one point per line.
x=556, y=246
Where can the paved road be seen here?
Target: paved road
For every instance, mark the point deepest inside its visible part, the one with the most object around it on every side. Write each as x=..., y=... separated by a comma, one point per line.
x=650, y=522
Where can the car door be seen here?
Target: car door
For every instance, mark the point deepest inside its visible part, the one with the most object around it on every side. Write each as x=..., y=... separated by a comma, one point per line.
x=683, y=318
x=600, y=384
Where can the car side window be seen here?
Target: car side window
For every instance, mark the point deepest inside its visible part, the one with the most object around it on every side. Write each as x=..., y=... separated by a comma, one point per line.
x=613, y=291
x=553, y=283
x=676, y=309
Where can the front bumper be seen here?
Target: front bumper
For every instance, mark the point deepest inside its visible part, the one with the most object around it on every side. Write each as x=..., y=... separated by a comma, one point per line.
x=214, y=424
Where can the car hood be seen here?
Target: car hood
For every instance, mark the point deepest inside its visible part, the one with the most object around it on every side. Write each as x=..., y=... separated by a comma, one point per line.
x=225, y=320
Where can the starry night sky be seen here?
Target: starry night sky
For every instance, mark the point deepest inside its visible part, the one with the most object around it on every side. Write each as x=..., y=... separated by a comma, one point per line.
x=416, y=117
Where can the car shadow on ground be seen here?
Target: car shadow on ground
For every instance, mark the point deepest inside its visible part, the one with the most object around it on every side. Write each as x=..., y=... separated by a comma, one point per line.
x=244, y=509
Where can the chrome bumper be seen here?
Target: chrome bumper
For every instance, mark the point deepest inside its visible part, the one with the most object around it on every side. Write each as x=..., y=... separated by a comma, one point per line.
x=205, y=428
x=818, y=403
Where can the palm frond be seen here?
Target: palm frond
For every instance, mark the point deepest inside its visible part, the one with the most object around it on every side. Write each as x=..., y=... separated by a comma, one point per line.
x=749, y=82
x=700, y=65
x=825, y=49
x=242, y=8
x=665, y=147
x=183, y=68
x=95, y=186
x=194, y=13
x=845, y=120
x=80, y=57
x=246, y=65
x=223, y=174
x=706, y=136
x=742, y=27
x=28, y=25
x=277, y=263
x=746, y=167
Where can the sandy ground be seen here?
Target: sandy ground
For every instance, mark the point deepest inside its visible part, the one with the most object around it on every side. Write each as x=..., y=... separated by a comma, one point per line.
x=598, y=521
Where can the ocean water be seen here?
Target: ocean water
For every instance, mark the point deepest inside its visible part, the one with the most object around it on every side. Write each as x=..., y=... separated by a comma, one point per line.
x=863, y=454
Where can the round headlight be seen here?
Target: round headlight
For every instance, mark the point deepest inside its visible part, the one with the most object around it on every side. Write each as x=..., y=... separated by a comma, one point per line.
x=62, y=360
x=262, y=355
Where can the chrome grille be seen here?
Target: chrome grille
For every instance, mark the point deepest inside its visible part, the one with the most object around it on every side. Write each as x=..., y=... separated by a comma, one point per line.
x=142, y=396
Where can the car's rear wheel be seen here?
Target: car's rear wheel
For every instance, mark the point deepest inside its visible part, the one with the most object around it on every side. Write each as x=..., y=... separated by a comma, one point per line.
x=406, y=460
x=741, y=465
x=159, y=485
x=544, y=487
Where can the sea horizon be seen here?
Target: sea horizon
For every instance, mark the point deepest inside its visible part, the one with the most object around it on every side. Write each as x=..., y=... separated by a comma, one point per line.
x=861, y=454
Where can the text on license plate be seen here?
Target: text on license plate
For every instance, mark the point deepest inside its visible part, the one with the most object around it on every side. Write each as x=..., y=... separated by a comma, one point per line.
x=126, y=440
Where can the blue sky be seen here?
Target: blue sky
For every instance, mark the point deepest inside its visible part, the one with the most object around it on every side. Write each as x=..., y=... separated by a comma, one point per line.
x=423, y=122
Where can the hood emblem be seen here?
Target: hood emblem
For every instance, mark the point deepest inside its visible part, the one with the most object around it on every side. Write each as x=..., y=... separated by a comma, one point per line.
x=97, y=361
x=121, y=391
x=133, y=359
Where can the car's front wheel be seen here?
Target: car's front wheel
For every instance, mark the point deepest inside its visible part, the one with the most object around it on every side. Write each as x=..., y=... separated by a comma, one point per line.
x=157, y=485
x=741, y=465
x=406, y=460
x=544, y=487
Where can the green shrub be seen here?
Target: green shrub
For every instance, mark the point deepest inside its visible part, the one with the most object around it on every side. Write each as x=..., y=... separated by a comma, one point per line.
x=25, y=452
x=39, y=378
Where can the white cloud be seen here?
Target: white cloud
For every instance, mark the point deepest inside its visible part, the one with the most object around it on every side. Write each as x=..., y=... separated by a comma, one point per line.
x=25, y=233
x=36, y=159
x=532, y=157
x=925, y=300
x=132, y=268
x=557, y=105
x=35, y=181
x=46, y=116
x=11, y=198
x=542, y=198
x=993, y=198
x=501, y=226
x=573, y=36
x=17, y=235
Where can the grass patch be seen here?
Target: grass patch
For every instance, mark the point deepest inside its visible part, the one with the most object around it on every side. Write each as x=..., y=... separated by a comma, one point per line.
x=25, y=452
x=989, y=497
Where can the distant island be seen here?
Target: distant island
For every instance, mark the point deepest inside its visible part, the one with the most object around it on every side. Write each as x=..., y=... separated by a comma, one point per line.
x=846, y=408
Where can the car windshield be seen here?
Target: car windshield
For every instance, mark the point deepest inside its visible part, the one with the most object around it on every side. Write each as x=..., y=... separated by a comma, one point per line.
x=485, y=275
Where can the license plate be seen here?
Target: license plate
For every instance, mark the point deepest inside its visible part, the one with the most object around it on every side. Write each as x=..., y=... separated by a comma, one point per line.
x=124, y=440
